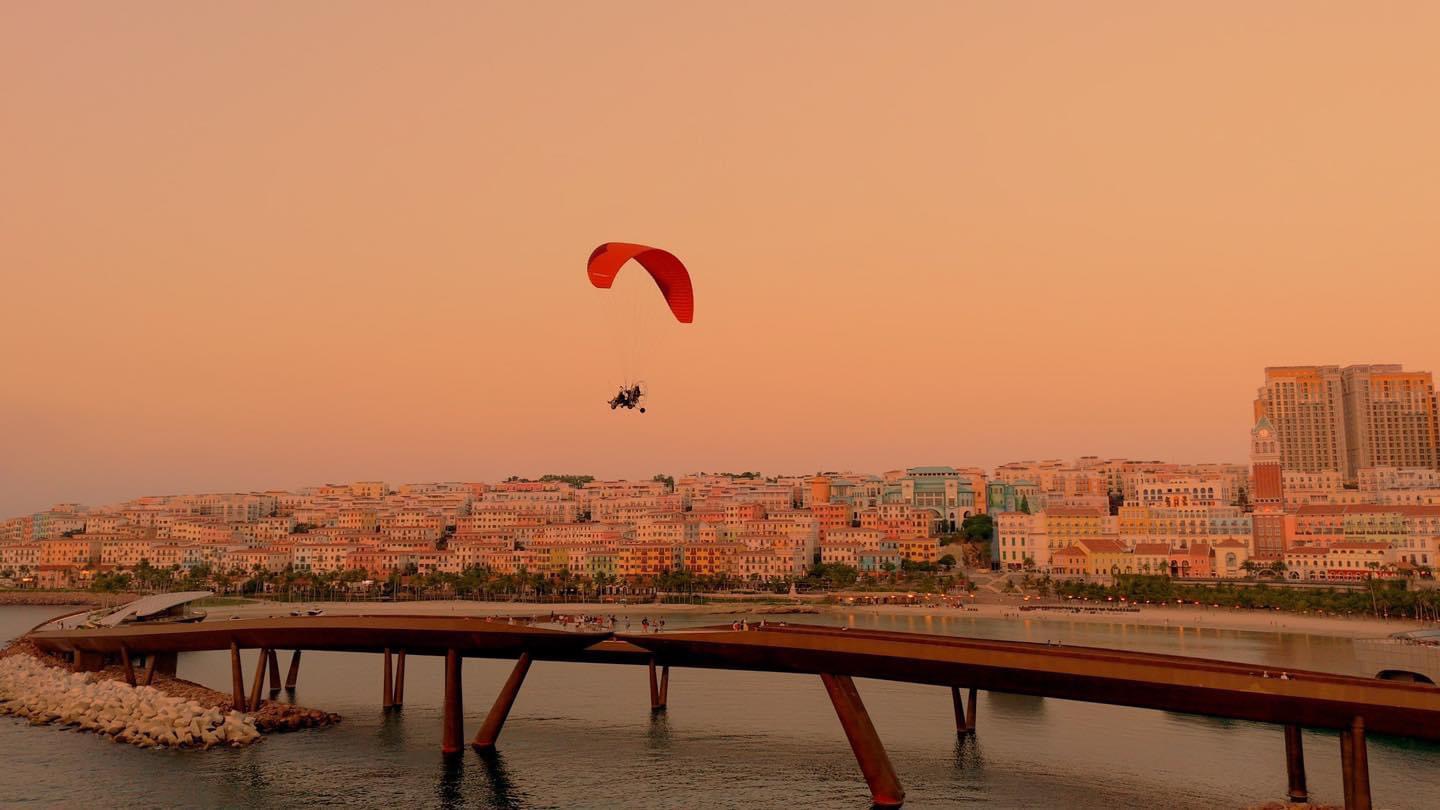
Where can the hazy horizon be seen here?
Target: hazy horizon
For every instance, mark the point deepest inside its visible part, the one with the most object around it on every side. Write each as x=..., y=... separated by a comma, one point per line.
x=272, y=245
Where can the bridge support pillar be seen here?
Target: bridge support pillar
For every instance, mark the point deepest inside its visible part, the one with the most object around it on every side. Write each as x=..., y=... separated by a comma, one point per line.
x=387, y=687
x=259, y=684
x=237, y=679
x=150, y=661
x=86, y=661
x=128, y=665
x=397, y=696
x=293, y=676
x=659, y=690
x=1295, y=766
x=166, y=663
x=885, y=789
x=453, y=735
x=1355, y=766
x=274, y=662
x=964, y=719
x=494, y=721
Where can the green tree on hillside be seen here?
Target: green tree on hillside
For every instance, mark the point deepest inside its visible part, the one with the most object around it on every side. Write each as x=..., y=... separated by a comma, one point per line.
x=978, y=528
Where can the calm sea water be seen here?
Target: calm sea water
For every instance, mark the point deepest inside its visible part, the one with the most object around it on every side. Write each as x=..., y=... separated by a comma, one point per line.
x=582, y=735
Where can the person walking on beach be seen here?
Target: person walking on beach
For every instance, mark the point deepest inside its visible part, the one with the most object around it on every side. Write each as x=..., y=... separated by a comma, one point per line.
x=645, y=625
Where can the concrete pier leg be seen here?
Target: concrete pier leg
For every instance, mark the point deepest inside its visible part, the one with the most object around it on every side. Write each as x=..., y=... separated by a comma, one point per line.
x=495, y=720
x=655, y=704
x=150, y=669
x=665, y=686
x=86, y=661
x=259, y=684
x=1355, y=766
x=970, y=712
x=387, y=687
x=398, y=693
x=127, y=664
x=1295, y=766
x=293, y=676
x=961, y=728
x=885, y=789
x=274, y=662
x=237, y=678
x=453, y=736
x=167, y=663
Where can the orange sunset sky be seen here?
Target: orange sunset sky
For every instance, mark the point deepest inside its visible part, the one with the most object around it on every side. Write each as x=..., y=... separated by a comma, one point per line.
x=268, y=244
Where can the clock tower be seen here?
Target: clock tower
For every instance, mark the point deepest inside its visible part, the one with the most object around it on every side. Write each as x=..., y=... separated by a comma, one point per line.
x=1269, y=491
x=1269, y=524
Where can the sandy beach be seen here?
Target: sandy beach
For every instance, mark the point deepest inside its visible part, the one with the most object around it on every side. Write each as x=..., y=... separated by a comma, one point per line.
x=1256, y=621
x=1189, y=617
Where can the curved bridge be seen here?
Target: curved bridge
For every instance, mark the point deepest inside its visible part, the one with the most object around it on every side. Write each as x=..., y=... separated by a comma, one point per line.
x=1169, y=683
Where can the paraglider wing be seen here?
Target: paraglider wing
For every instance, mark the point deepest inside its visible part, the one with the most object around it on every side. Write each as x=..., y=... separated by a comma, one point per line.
x=670, y=275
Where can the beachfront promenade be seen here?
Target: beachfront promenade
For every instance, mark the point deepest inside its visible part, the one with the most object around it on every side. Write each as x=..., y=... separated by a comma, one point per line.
x=1292, y=700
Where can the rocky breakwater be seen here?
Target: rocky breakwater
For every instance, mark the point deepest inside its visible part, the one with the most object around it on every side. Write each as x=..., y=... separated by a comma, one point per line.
x=41, y=687
x=139, y=715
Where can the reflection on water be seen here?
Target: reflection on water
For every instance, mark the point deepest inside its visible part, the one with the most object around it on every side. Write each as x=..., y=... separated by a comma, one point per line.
x=450, y=789
x=1002, y=706
x=968, y=754
x=391, y=736
x=659, y=736
x=584, y=736
x=501, y=792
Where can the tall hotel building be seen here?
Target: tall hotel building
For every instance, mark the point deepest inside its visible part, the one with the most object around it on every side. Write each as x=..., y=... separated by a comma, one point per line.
x=1352, y=418
x=1390, y=418
x=1306, y=407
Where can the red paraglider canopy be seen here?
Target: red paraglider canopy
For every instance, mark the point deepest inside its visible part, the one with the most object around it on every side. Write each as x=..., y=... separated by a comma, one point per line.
x=669, y=274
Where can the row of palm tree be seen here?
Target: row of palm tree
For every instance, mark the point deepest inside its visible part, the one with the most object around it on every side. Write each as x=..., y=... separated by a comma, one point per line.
x=483, y=582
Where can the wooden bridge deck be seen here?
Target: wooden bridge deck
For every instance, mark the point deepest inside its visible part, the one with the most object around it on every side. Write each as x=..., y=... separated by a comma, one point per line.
x=1165, y=682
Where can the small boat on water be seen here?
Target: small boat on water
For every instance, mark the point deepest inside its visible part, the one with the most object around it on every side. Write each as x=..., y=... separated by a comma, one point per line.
x=161, y=608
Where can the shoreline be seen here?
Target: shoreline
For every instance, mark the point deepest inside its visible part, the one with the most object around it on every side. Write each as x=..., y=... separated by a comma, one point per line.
x=1240, y=620
x=1236, y=619
x=18, y=598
